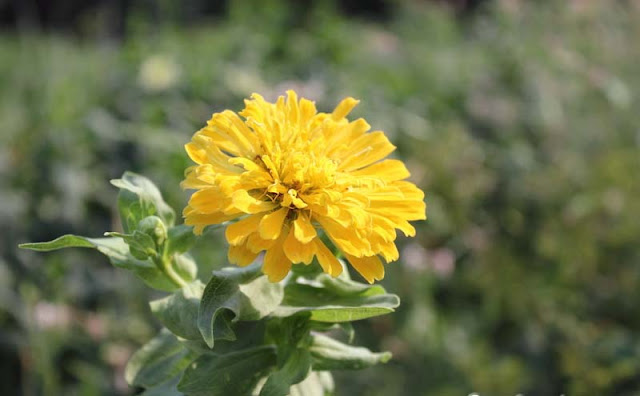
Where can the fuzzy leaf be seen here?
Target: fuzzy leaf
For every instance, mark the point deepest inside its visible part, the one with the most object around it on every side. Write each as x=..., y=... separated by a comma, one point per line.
x=344, y=327
x=185, y=266
x=231, y=374
x=141, y=245
x=288, y=334
x=253, y=335
x=168, y=388
x=157, y=361
x=118, y=253
x=62, y=242
x=341, y=302
x=139, y=198
x=181, y=239
x=179, y=313
x=347, y=287
x=294, y=371
x=291, y=336
x=243, y=293
x=318, y=383
x=329, y=354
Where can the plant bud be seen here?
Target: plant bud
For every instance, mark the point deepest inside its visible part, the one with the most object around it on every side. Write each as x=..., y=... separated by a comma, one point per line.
x=155, y=228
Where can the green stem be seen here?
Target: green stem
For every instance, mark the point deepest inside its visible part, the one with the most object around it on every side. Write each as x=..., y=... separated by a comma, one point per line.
x=164, y=265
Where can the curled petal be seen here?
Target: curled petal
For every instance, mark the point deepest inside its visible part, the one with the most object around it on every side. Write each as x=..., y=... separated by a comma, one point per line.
x=370, y=268
x=327, y=260
x=238, y=232
x=276, y=264
x=297, y=251
x=303, y=229
x=241, y=256
x=271, y=224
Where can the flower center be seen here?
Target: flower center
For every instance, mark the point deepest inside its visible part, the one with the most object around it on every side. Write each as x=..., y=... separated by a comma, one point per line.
x=295, y=174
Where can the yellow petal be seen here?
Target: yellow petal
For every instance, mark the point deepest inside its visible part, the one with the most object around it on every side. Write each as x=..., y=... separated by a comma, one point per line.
x=296, y=251
x=207, y=200
x=307, y=110
x=271, y=224
x=248, y=204
x=196, y=153
x=231, y=126
x=344, y=108
x=370, y=268
x=387, y=170
x=346, y=239
x=303, y=229
x=200, y=221
x=389, y=251
x=365, y=150
x=276, y=264
x=292, y=107
x=238, y=232
x=257, y=244
x=337, y=139
x=327, y=260
x=408, y=210
x=291, y=198
x=245, y=163
x=241, y=256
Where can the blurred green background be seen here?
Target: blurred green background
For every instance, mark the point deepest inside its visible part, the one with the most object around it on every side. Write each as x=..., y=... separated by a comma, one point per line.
x=520, y=120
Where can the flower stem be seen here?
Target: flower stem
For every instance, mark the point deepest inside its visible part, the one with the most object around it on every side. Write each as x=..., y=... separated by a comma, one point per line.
x=164, y=265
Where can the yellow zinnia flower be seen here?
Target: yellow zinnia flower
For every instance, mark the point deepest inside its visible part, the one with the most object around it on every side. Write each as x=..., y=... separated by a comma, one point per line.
x=286, y=172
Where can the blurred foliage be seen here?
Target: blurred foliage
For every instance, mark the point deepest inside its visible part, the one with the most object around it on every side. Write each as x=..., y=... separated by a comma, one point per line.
x=520, y=122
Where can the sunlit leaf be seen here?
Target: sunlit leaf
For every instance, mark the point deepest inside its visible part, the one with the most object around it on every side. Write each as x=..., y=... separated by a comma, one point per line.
x=140, y=198
x=118, y=253
x=329, y=354
x=141, y=245
x=318, y=383
x=65, y=241
x=340, y=303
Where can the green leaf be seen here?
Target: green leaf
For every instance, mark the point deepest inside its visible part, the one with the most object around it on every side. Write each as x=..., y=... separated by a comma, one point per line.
x=240, y=274
x=168, y=388
x=347, y=287
x=118, y=253
x=231, y=374
x=62, y=242
x=291, y=336
x=185, y=266
x=329, y=354
x=179, y=313
x=139, y=198
x=345, y=327
x=288, y=334
x=294, y=371
x=157, y=361
x=181, y=239
x=253, y=335
x=156, y=229
x=318, y=383
x=336, y=300
x=141, y=245
x=242, y=292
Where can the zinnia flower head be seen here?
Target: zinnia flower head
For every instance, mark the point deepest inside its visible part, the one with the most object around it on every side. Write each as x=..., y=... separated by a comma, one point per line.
x=288, y=173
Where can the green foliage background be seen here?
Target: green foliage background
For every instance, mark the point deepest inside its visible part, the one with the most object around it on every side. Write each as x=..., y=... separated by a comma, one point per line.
x=520, y=122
